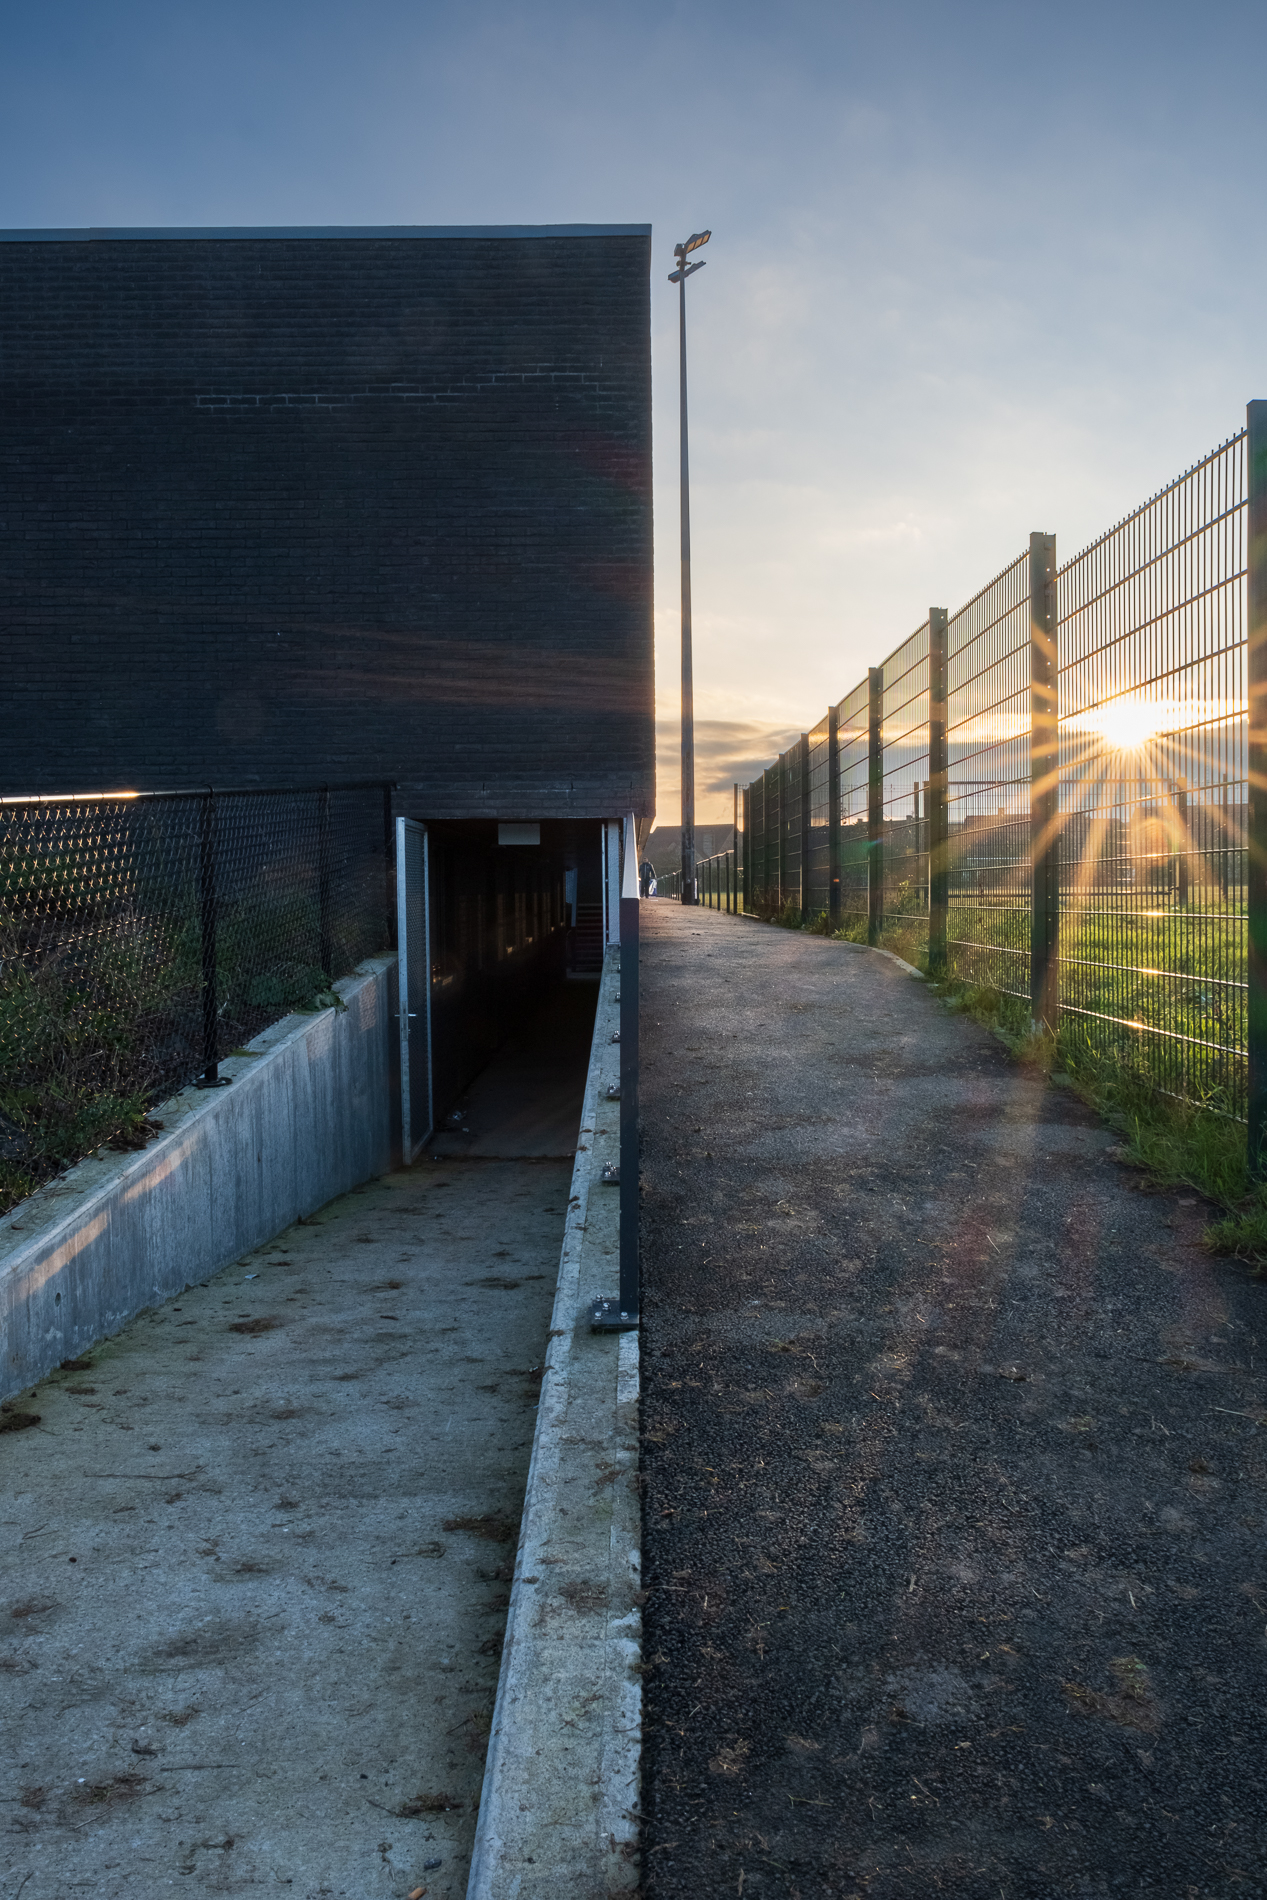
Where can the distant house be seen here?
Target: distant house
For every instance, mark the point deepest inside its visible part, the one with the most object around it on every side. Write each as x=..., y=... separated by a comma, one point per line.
x=664, y=846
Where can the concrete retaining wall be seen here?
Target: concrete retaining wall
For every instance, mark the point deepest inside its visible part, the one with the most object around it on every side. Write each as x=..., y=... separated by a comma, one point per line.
x=311, y=1113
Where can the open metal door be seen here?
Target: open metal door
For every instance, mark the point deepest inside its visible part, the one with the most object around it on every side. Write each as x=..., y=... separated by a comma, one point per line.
x=413, y=938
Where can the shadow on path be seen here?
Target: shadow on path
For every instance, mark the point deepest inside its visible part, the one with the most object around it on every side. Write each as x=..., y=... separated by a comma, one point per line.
x=954, y=1468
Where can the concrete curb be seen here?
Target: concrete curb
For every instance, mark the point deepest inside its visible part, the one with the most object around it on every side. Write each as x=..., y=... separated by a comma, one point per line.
x=873, y=949
x=559, y=1809
x=308, y=1118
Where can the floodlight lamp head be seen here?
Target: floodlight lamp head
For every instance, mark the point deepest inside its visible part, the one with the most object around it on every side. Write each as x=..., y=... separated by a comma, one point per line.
x=693, y=243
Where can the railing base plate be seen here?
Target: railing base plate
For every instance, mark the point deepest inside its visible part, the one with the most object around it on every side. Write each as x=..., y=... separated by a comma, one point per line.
x=606, y=1317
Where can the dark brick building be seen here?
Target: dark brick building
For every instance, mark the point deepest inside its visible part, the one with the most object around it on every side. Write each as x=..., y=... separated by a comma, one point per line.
x=316, y=504
x=288, y=507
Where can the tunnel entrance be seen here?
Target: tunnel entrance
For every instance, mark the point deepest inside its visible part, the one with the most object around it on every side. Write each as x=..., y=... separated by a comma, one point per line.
x=502, y=928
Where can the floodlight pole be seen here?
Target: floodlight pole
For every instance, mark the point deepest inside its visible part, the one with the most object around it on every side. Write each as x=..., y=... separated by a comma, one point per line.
x=679, y=277
x=688, y=682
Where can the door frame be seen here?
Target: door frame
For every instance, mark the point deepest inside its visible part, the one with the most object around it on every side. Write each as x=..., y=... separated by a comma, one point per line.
x=412, y=1140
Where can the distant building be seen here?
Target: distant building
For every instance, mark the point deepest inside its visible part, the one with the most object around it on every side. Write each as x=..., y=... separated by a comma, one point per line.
x=664, y=846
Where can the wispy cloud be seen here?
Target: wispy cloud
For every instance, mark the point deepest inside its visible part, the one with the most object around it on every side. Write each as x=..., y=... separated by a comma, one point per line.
x=932, y=319
x=726, y=750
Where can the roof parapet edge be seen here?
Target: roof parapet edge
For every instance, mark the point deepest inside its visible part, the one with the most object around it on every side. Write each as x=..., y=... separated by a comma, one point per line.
x=318, y=233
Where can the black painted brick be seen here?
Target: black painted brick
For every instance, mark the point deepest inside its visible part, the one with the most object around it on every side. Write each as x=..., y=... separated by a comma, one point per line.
x=283, y=510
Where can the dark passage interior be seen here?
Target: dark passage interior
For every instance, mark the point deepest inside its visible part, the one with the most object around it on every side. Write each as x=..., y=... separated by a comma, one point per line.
x=526, y=1102
x=507, y=922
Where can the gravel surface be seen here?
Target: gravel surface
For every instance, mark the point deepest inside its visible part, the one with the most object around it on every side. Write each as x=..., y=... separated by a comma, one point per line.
x=953, y=1459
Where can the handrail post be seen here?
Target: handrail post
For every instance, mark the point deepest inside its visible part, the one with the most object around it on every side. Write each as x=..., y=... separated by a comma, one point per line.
x=875, y=801
x=621, y=1315
x=936, y=800
x=1256, y=871
x=1044, y=798
x=629, y=1210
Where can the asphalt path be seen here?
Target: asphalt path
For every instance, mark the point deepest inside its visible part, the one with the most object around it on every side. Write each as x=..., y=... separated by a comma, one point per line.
x=954, y=1460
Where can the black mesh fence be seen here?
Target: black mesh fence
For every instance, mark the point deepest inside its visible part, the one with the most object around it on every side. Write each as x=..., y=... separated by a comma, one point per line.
x=1070, y=823
x=817, y=887
x=988, y=794
x=852, y=728
x=143, y=939
x=904, y=727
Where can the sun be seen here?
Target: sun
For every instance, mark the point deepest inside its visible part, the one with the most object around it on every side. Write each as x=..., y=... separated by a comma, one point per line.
x=1128, y=723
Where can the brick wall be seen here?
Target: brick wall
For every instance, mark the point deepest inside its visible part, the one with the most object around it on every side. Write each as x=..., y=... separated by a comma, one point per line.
x=302, y=508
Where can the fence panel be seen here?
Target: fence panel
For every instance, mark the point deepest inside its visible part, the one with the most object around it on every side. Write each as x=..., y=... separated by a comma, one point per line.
x=987, y=745
x=1154, y=800
x=774, y=835
x=851, y=715
x=819, y=813
x=141, y=939
x=904, y=728
x=790, y=825
x=1142, y=905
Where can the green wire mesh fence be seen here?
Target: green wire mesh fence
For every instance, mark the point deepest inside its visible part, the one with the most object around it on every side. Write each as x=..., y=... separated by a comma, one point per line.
x=1091, y=820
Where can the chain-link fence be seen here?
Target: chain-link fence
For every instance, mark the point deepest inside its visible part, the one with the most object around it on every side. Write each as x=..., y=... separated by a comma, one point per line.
x=144, y=938
x=1046, y=793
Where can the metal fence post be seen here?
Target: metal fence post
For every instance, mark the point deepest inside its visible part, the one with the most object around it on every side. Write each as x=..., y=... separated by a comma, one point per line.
x=210, y=1077
x=389, y=865
x=754, y=843
x=326, y=951
x=803, y=745
x=770, y=865
x=1044, y=797
x=936, y=814
x=833, y=817
x=875, y=801
x=1256, y=667
x=745, y=887
x=734, y=846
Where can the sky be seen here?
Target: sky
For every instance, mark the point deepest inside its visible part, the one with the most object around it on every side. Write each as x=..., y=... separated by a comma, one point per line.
x=976, y=268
